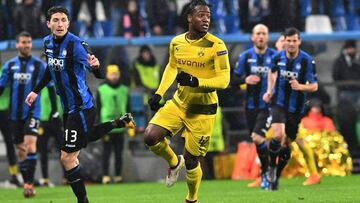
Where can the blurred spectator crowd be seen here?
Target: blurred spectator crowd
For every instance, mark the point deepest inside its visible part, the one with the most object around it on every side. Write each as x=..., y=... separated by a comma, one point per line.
x=128, y=18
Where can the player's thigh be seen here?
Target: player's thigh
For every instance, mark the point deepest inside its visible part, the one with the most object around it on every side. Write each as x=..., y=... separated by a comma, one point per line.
x=197, y=133
x=292, y=125
x=251, y=115
x=169, y=117
x=278, y=114
x=18, y=131
x=263, y=122
x=76, y=129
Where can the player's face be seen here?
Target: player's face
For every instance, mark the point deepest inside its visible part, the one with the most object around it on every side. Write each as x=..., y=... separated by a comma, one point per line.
x=260, y=37
x=292, y=44
x=24, y=45
x=58, y=24
x=200, y=19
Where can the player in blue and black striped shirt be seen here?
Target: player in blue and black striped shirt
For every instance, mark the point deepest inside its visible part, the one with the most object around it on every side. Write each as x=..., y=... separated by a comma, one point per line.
x=252, y=67
x=292, y=75
x=21, y=74
x=68, y=57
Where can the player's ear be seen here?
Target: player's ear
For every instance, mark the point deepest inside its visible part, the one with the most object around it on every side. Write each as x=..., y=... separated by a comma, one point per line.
x=48, y=24
x=189, y=18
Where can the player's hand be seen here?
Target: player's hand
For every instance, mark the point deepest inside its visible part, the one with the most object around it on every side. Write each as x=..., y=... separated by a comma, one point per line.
x=252, y=79
x=93, y=61
x=185, y=79
x=31, y=98
x=295, y=85
x=128, y=121
x=267, y=96
x=154, y=102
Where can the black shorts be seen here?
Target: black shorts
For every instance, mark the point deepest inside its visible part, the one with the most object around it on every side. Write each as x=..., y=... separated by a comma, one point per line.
x=291, y=120
x=20, y=128
x=77, y=127
x=258, y=120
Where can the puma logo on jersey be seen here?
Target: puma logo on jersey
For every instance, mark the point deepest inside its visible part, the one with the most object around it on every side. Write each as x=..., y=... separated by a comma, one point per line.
x=190, y=63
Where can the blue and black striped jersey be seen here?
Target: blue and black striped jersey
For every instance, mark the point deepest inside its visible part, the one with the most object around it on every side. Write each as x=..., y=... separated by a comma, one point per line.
x=302, y=68
x=21, y=75
x=67, y=65
x=251, y=63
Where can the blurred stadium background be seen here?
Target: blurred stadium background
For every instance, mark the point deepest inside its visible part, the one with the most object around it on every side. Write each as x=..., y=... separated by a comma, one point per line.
x=325, y=24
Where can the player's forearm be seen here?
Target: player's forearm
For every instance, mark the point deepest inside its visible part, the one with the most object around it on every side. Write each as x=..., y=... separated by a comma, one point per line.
x=43, y=82
x=98, y=73
x=220, y=81
x=52, y=96
x=309, y=87
x=166, y=80
x=271, y=81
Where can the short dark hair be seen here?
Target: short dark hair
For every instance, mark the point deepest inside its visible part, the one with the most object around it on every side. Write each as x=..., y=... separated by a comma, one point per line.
x=56, y=9
x=22, y=34
x=191, y=7
x=291, y=31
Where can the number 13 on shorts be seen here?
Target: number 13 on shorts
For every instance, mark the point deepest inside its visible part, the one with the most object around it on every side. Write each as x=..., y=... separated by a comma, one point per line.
x=70, y=136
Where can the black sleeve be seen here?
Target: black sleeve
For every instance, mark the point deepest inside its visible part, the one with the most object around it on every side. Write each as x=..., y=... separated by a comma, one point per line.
x=237, y=80
x=99, y=73
x=43, y=82
x=52, y=96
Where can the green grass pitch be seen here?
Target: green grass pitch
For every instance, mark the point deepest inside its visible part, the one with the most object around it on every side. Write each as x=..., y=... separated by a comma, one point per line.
x=331, y=189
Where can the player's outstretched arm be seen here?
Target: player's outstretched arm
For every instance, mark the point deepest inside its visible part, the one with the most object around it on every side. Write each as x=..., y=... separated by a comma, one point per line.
x=43, y=82
x=271, y=81
x=295, y=85
x=94, y=63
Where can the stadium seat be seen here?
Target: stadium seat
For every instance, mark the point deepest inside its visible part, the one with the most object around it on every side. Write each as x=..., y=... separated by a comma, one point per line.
x=318, y=24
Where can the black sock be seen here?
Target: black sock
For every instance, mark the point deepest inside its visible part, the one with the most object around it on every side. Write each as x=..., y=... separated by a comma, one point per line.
x=284, y=156
x=23, y=165
x=263, y=154
x=274, y=147
x=76, y=181
x=100, y=130
x=31, y=161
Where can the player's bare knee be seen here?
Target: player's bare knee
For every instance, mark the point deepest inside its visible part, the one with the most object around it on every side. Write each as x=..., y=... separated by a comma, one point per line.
x=67, y=159
x=278, y=135
x=152, y=136
x=22, y=151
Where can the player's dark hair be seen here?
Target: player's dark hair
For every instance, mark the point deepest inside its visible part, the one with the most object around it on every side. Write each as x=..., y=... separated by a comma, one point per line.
x=291, y=31
x=191, y=7
x=56, y=9
x=22, y=34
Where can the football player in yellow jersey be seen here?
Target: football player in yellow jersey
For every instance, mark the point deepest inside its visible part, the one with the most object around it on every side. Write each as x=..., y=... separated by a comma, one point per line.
x=199, y=62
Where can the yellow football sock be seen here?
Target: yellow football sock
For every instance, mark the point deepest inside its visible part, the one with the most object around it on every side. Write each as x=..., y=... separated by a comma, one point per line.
x=193, y=179
x=309, y=158
x=164, y=150
x=13, y=170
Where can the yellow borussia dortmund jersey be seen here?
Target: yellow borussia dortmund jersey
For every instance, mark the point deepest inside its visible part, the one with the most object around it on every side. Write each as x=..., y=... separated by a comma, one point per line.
x=205, y=58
